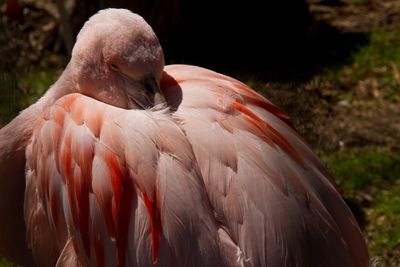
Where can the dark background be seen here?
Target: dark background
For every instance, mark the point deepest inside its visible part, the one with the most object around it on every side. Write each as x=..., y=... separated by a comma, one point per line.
x=280, y=39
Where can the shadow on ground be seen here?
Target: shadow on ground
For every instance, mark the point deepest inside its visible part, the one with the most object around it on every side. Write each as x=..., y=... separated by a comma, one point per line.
x=276, y=43
x=287, y=60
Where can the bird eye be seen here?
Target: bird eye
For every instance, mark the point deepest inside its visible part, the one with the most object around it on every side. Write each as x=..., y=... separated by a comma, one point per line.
x=114, y=67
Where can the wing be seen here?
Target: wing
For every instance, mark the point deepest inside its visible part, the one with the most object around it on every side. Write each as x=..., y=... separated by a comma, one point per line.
x=270, y=192
x=112, y=187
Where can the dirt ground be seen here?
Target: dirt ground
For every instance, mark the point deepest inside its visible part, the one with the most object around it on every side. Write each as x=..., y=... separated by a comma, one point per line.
x=369, y=118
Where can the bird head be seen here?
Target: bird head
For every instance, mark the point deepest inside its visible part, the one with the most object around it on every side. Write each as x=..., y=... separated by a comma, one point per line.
x=117, y=59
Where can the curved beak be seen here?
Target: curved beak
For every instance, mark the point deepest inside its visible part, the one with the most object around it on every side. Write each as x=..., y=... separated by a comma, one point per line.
x=151, y=86
x=150, y=96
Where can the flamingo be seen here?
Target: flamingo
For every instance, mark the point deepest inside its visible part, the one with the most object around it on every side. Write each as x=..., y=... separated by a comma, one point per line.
x=125, y=162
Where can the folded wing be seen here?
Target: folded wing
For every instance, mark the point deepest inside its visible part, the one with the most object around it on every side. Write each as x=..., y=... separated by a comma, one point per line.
x=268, y=189
x=112, y=187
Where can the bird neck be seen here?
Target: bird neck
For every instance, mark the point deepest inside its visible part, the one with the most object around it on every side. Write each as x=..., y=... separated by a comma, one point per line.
x=16, y=134
x=14, y=137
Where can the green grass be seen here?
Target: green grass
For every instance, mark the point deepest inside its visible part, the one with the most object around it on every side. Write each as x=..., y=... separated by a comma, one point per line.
x=357, y=170
x=386, y=214
x=5, y=263
x=376, y=173
x=376, y=58
x=8, y=97
x=35, y=83
x=377, y=65
x=381, y=53
x=15, y=96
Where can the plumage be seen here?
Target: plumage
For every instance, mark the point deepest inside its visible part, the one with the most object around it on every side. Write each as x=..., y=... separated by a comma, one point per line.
x=168, y=184
x=217, y=177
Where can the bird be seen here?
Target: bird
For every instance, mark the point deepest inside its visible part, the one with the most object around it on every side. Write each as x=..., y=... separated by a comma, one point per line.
x=128, y=162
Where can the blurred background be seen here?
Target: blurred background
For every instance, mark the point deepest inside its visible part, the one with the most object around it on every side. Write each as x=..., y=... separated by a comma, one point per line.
x=332, y=65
